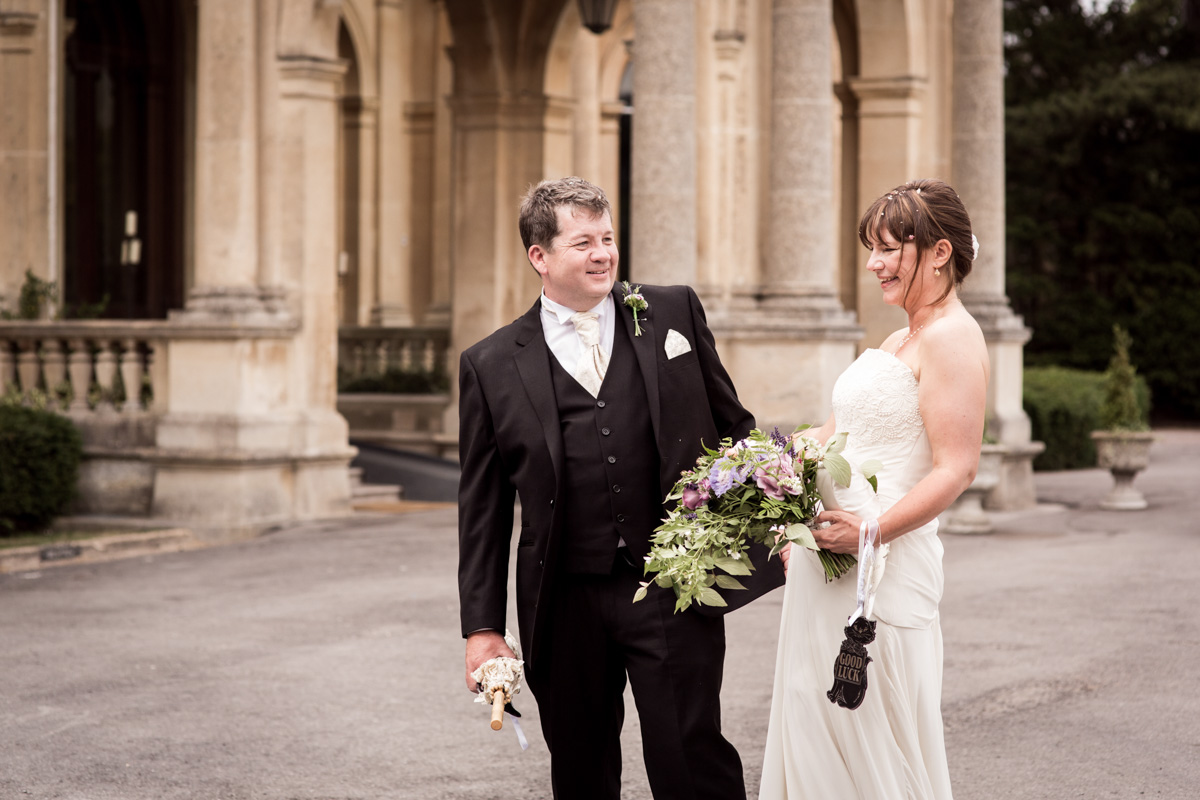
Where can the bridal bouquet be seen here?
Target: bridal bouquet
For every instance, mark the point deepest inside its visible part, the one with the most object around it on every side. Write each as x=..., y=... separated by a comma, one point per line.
x=762, y=489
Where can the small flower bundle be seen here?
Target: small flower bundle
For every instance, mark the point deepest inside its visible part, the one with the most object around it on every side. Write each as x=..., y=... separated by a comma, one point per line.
x=635, y=301
x=761, y=489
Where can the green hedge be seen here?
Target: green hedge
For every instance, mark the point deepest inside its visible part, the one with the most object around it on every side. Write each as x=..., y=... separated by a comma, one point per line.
x=395, y=381
x=1063, y=405
x=40, y=453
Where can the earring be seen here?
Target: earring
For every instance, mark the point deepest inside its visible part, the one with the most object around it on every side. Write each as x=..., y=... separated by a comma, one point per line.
x=937, y=272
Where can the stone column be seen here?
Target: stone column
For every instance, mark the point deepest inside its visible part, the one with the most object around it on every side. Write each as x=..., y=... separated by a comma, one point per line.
x=362, y=125
x=889, y=129
x=309, y=88
x=309, y=91
x=439, y=181
x=799, y=265
x=586, y=133
x=787, y=350
x=727, y=162
x=498, y=153
x=393, y=288
x=226, y=225
x=24, y=149
x=978, y=175
x=663, y=190
x=248, y=434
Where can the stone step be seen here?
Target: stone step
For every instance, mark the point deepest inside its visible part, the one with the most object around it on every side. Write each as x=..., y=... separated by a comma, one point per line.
x=375, y=493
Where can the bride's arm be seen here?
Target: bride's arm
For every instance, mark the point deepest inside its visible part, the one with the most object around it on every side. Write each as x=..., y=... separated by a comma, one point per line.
x=953, y=397
x=822, y=433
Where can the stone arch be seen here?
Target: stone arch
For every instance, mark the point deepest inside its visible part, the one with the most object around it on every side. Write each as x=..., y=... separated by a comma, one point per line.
x=356, y=27
x=889, y=34
x=845, y=31
x=496, y=50
x=562, y=53
x=614, y=54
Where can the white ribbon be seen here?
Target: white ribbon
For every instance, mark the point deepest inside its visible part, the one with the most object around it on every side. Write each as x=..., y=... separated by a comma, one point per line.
x=868, y=534
x=521, y=740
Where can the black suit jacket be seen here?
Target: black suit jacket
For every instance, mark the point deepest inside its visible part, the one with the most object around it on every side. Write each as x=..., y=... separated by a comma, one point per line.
x=510, y=445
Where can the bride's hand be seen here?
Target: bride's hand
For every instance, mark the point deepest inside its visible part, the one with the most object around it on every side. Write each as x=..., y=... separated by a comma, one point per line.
x=842, y=534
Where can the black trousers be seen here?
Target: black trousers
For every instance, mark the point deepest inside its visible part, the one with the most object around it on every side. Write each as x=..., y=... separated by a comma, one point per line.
x=674, y=662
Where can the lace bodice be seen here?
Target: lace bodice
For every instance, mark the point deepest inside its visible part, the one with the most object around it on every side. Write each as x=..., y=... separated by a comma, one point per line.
x=875, y=401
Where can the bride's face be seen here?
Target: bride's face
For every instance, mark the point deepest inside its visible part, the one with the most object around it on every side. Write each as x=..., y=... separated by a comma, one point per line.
x=894, y=265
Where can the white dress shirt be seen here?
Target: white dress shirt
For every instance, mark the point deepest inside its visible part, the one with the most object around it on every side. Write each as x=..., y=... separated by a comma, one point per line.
x=561, y=337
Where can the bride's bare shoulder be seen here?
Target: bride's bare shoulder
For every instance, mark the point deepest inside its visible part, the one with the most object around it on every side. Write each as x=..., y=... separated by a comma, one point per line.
x=956, y=337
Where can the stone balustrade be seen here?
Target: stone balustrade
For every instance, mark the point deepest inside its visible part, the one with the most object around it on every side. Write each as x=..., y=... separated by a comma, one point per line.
x=110, y=378
x=413, y=422
x=83, y=367
x=371, y=350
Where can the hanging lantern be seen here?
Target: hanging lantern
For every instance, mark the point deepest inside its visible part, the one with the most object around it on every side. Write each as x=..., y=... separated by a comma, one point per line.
x=597, y=14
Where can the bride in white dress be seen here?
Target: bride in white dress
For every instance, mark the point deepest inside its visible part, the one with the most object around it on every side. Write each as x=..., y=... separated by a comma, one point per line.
x=916, y=404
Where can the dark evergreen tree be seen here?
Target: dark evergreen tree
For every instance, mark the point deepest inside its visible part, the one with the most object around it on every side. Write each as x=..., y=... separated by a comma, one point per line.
x=1103, y=171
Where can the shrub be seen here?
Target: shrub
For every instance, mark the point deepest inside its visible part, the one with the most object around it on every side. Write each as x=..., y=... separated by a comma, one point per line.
x=1120, y=410
x=396, y=381
x=40, y=453
x=1063, y=405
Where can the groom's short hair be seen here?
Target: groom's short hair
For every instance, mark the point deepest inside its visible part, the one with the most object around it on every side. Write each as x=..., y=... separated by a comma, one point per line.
x=539, y=207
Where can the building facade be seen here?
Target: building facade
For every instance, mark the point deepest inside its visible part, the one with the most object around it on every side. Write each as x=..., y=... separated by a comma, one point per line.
x=221, y=191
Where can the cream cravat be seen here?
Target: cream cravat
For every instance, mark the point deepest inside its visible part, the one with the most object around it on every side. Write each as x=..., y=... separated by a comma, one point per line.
x=594, y=361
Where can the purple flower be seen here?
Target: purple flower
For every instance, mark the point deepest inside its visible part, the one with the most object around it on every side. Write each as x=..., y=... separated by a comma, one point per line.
x=779, y=439
x=695, y=495
x=721, y=477
x=769, y=485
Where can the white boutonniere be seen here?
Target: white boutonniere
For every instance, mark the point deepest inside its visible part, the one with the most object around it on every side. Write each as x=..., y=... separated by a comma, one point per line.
x=636, y=302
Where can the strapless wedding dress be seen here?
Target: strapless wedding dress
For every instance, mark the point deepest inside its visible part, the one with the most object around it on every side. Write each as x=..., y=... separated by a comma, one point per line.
x=891, y=747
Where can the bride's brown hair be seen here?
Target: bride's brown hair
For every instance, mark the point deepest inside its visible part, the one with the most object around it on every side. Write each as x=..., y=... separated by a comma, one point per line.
x=920, y=213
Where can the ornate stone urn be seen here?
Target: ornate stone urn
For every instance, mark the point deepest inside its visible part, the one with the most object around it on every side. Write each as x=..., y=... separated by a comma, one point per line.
x=967, y=514
x=1124, y=454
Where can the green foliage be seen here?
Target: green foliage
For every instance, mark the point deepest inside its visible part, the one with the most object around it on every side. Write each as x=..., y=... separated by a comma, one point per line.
x=84, y=310
x=35, y=295
x=724, y=505
x=1102, y=132
x=395, y=381
x=1063, y=405
x=1120, y=410
x=40, y=453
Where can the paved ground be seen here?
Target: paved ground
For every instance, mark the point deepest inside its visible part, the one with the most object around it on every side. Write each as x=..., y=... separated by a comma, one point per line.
x=324, y=662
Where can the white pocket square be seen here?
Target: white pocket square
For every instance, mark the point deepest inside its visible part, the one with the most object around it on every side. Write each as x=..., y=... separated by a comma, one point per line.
x=676, y=345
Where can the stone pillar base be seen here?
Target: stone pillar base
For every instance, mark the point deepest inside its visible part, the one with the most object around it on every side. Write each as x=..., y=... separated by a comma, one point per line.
x=243, y=305
x=391, y=317
x=238, y=445
x=238, y=496
x=1007, y=421
x=1016, y=491
x=784, y=365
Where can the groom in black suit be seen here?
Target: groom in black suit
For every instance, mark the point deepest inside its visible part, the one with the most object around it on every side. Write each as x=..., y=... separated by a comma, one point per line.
x=590, y=423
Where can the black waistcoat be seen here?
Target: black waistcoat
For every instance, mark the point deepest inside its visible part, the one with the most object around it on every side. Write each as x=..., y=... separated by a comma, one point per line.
x=611, y=481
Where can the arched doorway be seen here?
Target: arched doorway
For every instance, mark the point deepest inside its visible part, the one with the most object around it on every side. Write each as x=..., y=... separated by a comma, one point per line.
x=350, y=146
x=123, y=158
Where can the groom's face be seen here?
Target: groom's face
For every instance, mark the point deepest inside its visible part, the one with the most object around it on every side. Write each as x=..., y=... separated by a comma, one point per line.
x=579, y=267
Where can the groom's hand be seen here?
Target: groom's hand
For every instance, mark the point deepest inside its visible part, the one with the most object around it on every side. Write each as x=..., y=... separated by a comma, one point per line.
x=481, y=646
